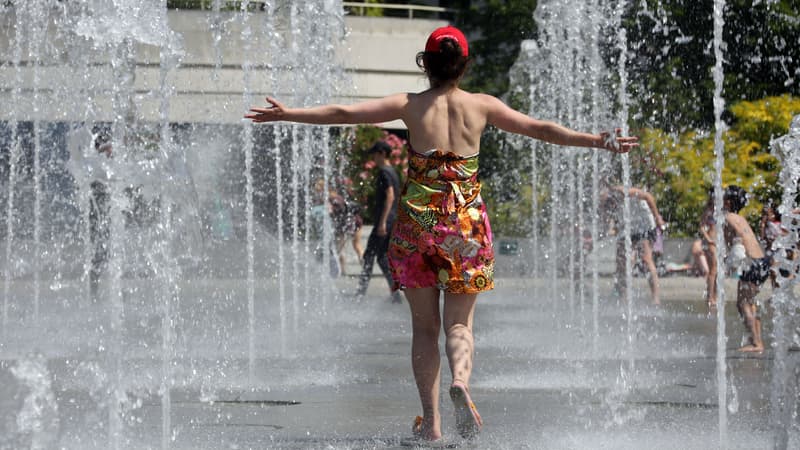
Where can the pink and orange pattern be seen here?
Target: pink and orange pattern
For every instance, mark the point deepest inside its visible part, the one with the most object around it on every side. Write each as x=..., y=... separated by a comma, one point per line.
x=442, y=236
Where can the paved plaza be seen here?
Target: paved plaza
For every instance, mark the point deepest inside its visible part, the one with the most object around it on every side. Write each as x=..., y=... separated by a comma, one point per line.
x=549, y=372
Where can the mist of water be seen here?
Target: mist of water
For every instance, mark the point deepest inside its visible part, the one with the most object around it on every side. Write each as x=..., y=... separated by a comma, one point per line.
x=786, y=304
x=175, y=202
x=719, y=164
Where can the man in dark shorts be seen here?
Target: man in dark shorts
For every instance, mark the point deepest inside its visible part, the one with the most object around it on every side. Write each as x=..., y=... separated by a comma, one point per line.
x=384, y=212
x=744, y=247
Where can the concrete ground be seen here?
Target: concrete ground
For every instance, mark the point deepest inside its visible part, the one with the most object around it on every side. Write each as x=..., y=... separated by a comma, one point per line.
x=552, y=371
x=306, y=366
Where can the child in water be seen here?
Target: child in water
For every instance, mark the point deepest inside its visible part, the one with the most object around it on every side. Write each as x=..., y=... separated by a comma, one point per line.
x=745, y=251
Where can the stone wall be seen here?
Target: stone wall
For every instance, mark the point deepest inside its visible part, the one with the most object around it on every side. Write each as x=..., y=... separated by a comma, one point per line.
x=378, y=57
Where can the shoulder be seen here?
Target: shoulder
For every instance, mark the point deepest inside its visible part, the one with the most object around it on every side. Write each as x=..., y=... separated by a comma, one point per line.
x=635, y=191
x=735, y=220
x=389, y=171
x=639, y=193
x=386, y=172
x=486, y=100
x=399, y=97
x=399, y=100
x=393, y=177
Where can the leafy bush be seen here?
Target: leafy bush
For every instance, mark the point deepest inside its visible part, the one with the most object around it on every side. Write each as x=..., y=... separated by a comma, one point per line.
x=684, y=163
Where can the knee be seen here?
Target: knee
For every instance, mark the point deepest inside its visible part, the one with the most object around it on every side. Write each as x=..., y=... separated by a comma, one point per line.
x=428, y=328
x=745, y=310
x=457, y=329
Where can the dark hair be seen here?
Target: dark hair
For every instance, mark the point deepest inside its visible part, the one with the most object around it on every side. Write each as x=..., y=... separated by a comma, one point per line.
x=446, y=65
x=101, y=139
x=101, y=134
x=380, y=147
x=736, y=198
x=770, y=206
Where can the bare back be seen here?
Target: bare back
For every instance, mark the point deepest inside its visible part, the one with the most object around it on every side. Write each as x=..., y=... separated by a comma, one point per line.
x=450, y=120
x=737, y=226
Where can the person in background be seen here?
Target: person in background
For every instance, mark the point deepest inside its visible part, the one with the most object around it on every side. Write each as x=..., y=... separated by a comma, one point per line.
x=324, y=205
x=384, y=212
x=745, y=251
x=645, y=221
x=347, y=223
x=354, y=225
x=698, y=265
x=770, y=228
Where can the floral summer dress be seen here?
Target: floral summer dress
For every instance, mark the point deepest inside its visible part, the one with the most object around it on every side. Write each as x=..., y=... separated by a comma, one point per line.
x=442, y=236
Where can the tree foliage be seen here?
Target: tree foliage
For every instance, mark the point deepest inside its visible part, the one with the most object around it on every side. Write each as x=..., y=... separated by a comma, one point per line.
x=685, y=170
x=496, y=29
x=671, y=87
x=671, y=57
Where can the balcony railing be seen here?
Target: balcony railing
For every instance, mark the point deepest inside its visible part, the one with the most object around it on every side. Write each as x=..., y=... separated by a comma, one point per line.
x=427, y=12
x=357, y=8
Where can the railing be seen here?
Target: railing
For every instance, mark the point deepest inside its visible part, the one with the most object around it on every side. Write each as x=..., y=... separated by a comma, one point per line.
x=363, y=7
x=357, y=8
x=223, y=5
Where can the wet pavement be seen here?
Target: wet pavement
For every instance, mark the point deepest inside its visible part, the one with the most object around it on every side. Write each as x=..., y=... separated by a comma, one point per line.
x=552, y=371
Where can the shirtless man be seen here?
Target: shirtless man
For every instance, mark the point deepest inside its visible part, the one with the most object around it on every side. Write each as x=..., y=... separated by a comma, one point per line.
x=742, y=243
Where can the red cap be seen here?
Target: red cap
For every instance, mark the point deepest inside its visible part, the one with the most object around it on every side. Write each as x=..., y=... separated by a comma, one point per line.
x=448, y=32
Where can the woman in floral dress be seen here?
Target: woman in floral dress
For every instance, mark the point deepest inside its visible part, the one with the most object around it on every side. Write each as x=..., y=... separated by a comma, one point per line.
x=442, y=241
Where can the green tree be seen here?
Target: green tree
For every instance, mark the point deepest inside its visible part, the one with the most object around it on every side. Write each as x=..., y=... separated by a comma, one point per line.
x=496, y=28
x=687, y=162
x=671, y=60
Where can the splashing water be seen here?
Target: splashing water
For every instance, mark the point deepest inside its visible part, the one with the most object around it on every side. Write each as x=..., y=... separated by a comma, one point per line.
x=784, y=390
x=37, y=420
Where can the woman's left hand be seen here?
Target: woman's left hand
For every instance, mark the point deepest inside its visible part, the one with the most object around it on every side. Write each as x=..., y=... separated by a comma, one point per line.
x=274, y=113
x=617, y=143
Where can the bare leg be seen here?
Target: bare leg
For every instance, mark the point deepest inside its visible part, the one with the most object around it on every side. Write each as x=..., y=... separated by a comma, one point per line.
x=357, y=244
x=425, y=324
x=699, y=258
x=339, y=245
x=620, y=282
x=459, y=310
x=458, y=313
x=711, y=283
x=646, y=253
x=749, y=312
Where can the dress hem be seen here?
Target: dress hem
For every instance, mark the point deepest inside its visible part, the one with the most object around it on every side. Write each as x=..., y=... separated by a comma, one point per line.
x=465, y=291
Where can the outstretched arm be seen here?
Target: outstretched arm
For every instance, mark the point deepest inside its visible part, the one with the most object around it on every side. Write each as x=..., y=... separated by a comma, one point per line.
x=511, y=120
x=372, y=111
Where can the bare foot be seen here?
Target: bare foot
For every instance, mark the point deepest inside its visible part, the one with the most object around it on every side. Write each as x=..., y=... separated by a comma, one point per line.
x=424, y=430
x=751, y=348
x=468, y=421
